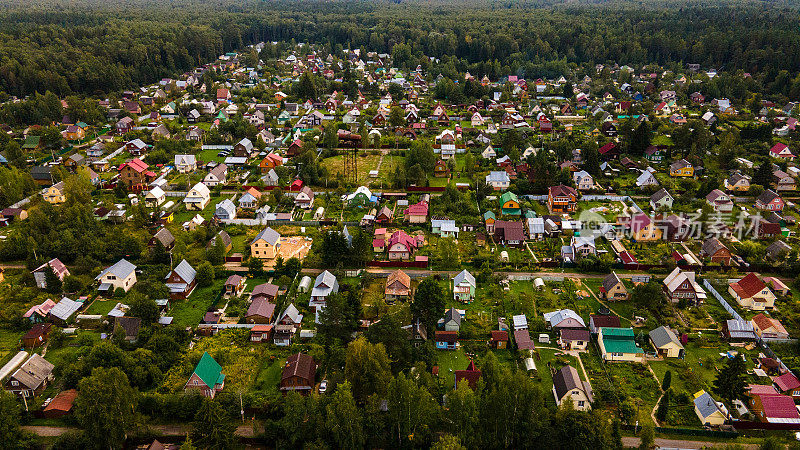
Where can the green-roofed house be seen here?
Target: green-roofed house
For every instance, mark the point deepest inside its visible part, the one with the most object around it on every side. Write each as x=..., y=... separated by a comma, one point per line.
x=207, y=377
x=489, y=219
x=31, y=143
x=618, y=344
x=509, y=204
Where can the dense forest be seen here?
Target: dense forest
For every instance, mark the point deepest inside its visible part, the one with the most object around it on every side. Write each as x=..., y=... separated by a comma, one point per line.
x=93, y=47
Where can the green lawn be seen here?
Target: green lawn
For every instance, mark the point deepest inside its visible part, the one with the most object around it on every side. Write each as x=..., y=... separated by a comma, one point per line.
x=9, y=344
x=100, y=306
x=449, y=361
x=269, y=373
x=190, y=312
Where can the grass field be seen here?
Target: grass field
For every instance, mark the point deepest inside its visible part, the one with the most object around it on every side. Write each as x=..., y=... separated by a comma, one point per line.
x=190, y=312
x=366, y=163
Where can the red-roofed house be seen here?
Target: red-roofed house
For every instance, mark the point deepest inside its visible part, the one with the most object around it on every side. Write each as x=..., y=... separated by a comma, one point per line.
x=771, y=407
x=499, y=339
x=751, y=293
x=416, y=213
x=642, y=228
x=768, y=328
x=782, y=151
x=471, y=375
x=788, y=384
x=609, y=150
x=135, y=175
x=401, y=246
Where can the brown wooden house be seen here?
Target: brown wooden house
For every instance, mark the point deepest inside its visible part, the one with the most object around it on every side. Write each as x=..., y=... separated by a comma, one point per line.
x=298, y=374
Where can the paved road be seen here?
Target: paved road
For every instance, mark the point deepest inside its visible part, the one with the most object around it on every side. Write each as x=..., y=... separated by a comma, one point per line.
x=633, y=442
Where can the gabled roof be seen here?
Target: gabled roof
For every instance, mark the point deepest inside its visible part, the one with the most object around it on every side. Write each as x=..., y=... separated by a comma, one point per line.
x=265, y=289
x=604, y=320
x=165, y=237
x=748, y=286
x=267, y=234
x=659, y=195
x=261, y=307
x=566, y=379
x=34, y=371
x=556, y=317
x=712, y=245
x=787, y=382
x=662, y=336
x=121, y=269
x=767, y=197
x=399, y=276
x=452, y=314
x=610, y=281
x=185, y=271
x=464, y=276
x=706, y=405
x=300, y=365
x=209, y=371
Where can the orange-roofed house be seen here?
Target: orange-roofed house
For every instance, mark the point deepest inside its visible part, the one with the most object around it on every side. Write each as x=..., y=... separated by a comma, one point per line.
x=768, y=328
x=398, y=285
x=269, y=162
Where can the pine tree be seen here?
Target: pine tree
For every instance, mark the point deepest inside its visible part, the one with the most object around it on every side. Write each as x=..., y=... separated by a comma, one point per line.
x=763, y=175
x=730, y=383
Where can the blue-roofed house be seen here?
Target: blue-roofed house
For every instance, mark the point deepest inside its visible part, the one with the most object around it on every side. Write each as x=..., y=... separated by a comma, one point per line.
x=181, y=281
x=708, y=410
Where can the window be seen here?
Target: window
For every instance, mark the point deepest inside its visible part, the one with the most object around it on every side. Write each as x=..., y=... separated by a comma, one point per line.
x=581, y=403
x=14, y=383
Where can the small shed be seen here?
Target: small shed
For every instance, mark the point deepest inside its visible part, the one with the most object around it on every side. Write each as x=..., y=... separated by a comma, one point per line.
x=538, y=283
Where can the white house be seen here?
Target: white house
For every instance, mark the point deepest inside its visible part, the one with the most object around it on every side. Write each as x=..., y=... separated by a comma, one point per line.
x=499, y=180
x=583, y=180
x=185, y=163
x=154, y=197
x=197, y=198
x=324, y=285
x=121, y=275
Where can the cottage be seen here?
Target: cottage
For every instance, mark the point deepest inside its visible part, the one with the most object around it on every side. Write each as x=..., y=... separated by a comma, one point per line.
x=562, y=199
x=398, y=286
x=666, y=343
x=298, y=374
x=416, y=213
x=768, y=328
x=771, y=407
x=597, y=321
x=304, y=198
x=769, y=200
x=234, y=285
x=31, y=378
x=788, y=384
x=401, y=246
x=564, y=319
x=122, y=275
x=155, y=197
x=54, y=194
x=498, y=180
x=127, y=328
x=681, y=168
x=216, y=175
x=446, y=340
x=612, y=288
x=135, y=175
x=509, y=233
x=40, y=276
x=646, y=178
x=618, y=344
x=324, y=285
x=451, y=320
x=207, y=377
x=680, y=285
x=37, y=335
x=464, y=286
x=752, y=293
x=261, y=310
x=181, y=280
x=266, y=244
x=568, y=386
x=197, y=198
x=185, y=163
x=714, y=249
x=709, y=411
x=737, y=182
x=781, y=151
x=572, y=339
x=225, y=210
x=719, y=201
x=471, y=375
x=498, y=339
